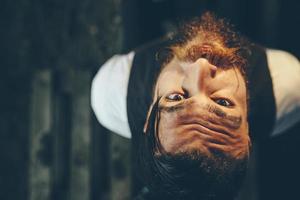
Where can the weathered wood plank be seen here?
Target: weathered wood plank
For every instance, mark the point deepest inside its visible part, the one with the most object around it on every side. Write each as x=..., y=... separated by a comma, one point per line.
x=270, y=21
x=80, y=136
x=39, y=166
x=120, y=164
x=100, y=171
x=61, y=137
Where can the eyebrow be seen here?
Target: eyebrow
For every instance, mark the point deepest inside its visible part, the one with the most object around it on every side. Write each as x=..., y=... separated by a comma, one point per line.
x=232, y=121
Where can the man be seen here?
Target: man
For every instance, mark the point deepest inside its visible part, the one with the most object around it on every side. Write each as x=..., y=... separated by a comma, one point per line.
x=210, y=87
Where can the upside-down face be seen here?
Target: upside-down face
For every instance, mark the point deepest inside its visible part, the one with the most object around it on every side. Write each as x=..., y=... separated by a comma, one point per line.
x=203, y=108
x=196, y=137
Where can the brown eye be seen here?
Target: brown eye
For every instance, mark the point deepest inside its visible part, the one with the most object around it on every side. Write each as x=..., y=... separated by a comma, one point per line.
x=224, y=102
x=175, y=97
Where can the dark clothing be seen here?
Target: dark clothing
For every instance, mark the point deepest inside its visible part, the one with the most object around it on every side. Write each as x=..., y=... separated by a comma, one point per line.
x=146, y=68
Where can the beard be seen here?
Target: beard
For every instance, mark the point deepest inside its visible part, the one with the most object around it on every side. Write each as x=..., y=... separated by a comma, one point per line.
x=193, y=175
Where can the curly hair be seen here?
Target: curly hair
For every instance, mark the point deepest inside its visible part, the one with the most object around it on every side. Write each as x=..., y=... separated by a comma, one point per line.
x=211, y=38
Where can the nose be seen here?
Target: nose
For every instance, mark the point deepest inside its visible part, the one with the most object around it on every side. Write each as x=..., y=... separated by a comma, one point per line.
x=198, y=75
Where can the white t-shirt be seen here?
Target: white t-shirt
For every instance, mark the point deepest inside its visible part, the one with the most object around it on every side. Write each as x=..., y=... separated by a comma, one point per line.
x=109, y=91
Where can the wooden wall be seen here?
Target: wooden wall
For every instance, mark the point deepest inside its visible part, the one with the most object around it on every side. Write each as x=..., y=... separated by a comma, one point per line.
x=71, y=155
x=51, y=145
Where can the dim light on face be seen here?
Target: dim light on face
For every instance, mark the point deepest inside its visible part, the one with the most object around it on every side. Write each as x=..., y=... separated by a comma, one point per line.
x=203, y=108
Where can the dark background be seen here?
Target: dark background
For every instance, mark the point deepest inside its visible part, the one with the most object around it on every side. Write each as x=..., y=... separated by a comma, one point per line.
x=52, y=147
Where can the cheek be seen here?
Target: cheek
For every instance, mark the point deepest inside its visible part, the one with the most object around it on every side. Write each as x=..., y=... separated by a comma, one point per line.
x=167, y=131
x=241, y=146
x=172, y=136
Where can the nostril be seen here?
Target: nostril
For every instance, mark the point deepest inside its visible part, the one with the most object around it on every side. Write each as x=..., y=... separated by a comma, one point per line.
x=207, y=66
x=213, y=71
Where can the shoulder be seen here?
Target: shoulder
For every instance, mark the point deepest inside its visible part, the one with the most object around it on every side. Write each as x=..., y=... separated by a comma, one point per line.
x=285, y=72
x=283, y=61
x=109, y=91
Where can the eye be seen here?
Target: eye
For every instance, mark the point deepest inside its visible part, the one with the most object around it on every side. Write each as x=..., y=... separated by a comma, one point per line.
x=175, y=97
x=224, y=102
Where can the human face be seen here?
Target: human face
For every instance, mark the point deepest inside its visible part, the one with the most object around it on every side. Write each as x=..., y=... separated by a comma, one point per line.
x=203, y=108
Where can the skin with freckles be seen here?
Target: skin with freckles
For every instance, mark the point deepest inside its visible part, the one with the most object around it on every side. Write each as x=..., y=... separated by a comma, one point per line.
x=202, y=108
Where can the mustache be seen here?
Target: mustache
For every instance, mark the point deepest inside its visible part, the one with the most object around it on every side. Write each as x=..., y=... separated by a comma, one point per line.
x=208, y=112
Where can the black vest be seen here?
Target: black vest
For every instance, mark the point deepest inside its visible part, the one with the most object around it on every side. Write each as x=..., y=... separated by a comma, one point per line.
x=144, y=72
